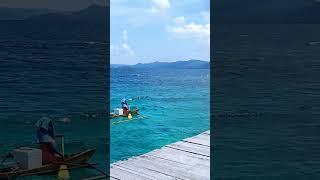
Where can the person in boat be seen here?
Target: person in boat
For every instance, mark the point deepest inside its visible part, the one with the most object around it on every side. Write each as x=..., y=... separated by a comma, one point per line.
x=125, y=106
x=46, y=140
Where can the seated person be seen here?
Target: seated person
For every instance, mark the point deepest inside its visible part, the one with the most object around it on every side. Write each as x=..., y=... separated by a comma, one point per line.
x=125, y=106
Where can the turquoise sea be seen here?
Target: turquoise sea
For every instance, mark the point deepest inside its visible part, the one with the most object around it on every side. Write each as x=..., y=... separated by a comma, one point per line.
x=173, y=103
x=64, y=80
x=54, y=65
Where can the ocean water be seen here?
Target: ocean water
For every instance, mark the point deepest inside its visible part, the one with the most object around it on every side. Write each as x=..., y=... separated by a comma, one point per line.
x=174, y=104
x=266, y=102
x=62, y=79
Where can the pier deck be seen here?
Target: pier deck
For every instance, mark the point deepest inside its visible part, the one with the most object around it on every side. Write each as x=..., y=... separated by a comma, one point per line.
x=185, y=159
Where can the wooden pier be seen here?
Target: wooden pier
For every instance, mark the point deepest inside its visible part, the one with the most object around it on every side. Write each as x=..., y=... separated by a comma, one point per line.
x=185, y=159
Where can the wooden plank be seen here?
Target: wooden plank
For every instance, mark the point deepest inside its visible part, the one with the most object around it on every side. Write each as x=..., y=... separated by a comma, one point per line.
x=153, y=174
x=192, y=148
x=113, y=178
x=167, y=167
x=181, y=157
x=123, y=173
x=150, y=163
x=206, y=133
x=187, y=159
x=202, y=140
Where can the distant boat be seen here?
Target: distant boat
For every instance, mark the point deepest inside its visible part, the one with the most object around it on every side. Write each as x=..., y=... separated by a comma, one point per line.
x=132, y=112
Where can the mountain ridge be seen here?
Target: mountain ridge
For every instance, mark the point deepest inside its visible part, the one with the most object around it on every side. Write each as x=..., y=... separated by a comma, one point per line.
x=89, y=24
x=7, y=13
x=187, y=64
x=92, y=13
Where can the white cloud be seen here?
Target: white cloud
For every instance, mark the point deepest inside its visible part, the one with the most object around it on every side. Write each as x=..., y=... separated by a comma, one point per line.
x=161, y=4
x=138, y=15
x=191, y=30
x=127, y=49
x=126, y=7
x=123, y=48
x=125, y=35
x=179, y=20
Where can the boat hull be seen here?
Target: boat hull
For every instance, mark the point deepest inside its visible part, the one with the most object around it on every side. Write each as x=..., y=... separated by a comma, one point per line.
x=74, y=161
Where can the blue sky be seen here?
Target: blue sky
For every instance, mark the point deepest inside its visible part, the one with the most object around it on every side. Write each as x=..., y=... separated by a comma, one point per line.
x=159, y=30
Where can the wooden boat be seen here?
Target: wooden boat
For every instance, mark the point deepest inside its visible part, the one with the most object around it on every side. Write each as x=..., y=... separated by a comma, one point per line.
x=132, y=112
x=73, y=161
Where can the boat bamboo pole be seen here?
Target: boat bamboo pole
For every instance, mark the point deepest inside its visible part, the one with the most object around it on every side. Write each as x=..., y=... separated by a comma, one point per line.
x=96, y=177
x=62, y=145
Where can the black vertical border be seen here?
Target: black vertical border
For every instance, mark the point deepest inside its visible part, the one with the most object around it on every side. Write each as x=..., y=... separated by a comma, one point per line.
x=212, y=27
x=107, y=87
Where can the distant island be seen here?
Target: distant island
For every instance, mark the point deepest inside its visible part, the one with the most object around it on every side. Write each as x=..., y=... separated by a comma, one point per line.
x=189, y=64
x=93, y=13
x=7, y=13
x=88, y=24
x=21, y=13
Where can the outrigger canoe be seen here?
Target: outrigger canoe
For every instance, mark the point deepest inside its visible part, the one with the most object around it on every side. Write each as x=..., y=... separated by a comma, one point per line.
x=73, y=161
x=132, y=112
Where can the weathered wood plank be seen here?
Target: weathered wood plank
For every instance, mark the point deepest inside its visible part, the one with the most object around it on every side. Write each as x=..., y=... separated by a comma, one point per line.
x=181, y=157
x=202, y=140
x=206, y=132
x=151, y=173
x=187, y=159
x=192, y=148
x=113, y=178
x=123, y=173
x=171, y=168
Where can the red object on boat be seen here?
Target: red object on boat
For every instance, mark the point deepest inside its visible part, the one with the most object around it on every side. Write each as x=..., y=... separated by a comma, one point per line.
x=48, y=154
x=125, y=110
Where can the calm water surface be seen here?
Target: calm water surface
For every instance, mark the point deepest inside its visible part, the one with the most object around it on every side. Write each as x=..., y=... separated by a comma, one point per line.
x=174, y=104
x=60, y=79
x=267, y=102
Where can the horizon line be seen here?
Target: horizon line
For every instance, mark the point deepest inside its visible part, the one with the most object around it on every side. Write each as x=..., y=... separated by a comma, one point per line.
x=161, y=61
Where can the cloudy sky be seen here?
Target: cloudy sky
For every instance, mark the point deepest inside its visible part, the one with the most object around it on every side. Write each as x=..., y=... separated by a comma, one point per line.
x=159, y=30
